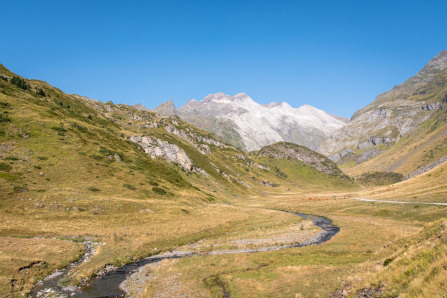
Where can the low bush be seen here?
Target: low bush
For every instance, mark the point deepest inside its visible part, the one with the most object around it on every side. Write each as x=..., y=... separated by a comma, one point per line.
x=5, y=167
x=128, y=186
x=159, y=191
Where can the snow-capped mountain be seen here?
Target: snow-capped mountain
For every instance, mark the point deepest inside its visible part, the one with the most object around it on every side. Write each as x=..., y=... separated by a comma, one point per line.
x=244, y=123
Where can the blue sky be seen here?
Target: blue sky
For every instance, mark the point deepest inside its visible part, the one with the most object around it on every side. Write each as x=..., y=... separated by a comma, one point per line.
x=334, y=55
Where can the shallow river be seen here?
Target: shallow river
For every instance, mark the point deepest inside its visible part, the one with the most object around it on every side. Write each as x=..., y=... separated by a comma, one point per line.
x=108, y=285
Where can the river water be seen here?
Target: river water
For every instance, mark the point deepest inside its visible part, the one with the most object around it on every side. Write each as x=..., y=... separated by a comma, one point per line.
x=108, y=284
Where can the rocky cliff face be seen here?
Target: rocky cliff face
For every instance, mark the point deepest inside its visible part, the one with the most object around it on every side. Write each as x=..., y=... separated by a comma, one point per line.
x=246, y=124
x=393, y=115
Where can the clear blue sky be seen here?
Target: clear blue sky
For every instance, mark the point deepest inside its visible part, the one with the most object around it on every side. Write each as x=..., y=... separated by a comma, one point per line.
x=334, y=55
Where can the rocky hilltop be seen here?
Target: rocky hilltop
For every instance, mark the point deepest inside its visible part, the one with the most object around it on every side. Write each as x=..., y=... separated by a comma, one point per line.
x=242, y=122
x=393, y=116
x=293, y=152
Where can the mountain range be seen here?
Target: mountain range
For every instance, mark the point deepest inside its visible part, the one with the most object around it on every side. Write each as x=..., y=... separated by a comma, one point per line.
x=410, y=113
x=248, y=125
x=129, y=183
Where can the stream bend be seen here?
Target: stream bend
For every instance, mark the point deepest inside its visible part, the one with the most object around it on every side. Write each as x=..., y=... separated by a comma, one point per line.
x=108, y=284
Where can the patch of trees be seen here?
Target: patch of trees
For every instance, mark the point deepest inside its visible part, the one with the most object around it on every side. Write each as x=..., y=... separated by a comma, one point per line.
x=19, y=82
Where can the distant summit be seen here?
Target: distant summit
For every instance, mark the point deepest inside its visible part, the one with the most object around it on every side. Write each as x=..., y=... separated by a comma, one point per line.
x=244, y=123
x=165, y=109
x=141, y=107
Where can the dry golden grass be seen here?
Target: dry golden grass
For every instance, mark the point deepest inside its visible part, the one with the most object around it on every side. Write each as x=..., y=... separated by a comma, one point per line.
x=428, y=187
x=308, y=271
x=41, y=255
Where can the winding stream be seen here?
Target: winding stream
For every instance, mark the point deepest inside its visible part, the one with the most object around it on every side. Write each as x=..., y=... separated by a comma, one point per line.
x=110, y=284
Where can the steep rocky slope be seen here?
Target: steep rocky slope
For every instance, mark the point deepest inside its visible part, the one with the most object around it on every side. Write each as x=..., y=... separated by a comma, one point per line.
x=417, y=107
x=248, y=125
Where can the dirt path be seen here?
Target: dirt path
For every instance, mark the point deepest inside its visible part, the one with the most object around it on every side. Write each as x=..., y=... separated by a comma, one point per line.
x=398, y=202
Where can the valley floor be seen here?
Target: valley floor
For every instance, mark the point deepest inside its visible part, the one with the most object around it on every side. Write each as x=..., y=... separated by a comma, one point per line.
x=363, y=256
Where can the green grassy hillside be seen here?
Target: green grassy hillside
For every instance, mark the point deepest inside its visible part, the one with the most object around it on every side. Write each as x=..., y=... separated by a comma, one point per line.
x=70, y=170
x=133, y=184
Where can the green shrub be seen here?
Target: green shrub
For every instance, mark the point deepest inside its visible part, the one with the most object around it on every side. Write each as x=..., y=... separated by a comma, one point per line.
x=5, y=167
x=20, y=189
x=128, y=186
x=58, y=128
x=4, y=118
x=92, y=188
x=97, y=157
x=79, y=127
x=387, y=261
x=11, y=158
x=42, y=157
x=19, y=82
x=40, y=92
x=159, y=191
x=153, y=183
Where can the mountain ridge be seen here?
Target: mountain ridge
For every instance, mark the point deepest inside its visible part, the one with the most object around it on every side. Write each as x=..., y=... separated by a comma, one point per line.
x=400, y=118
x=253, y=125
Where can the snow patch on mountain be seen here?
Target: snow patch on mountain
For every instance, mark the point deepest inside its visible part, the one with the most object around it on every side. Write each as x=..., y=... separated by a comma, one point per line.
x=259, y=125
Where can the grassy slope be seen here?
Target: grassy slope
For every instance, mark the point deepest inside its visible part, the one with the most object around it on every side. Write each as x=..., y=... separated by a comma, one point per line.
x=428, y=187
x=426, y=146
x=135, y=221
x=59, y=177
x=414, y=266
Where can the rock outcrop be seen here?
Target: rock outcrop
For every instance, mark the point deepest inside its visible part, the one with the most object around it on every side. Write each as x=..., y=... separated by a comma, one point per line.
x=163, y=149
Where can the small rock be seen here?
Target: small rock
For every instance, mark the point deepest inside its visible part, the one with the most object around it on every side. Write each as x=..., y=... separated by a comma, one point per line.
x=40, y=173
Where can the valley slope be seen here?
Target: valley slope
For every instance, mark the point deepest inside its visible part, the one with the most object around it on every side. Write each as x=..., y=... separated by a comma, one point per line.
x=78, y=175
x=74, y=169
x=402, y=130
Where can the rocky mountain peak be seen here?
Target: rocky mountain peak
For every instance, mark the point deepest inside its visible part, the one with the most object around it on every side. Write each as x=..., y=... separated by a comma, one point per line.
x=241, y=96
x=439, y=62
x=166, y=109
x=270, y=105
x=432, y=68
x=141, y=107
x=192, y=101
